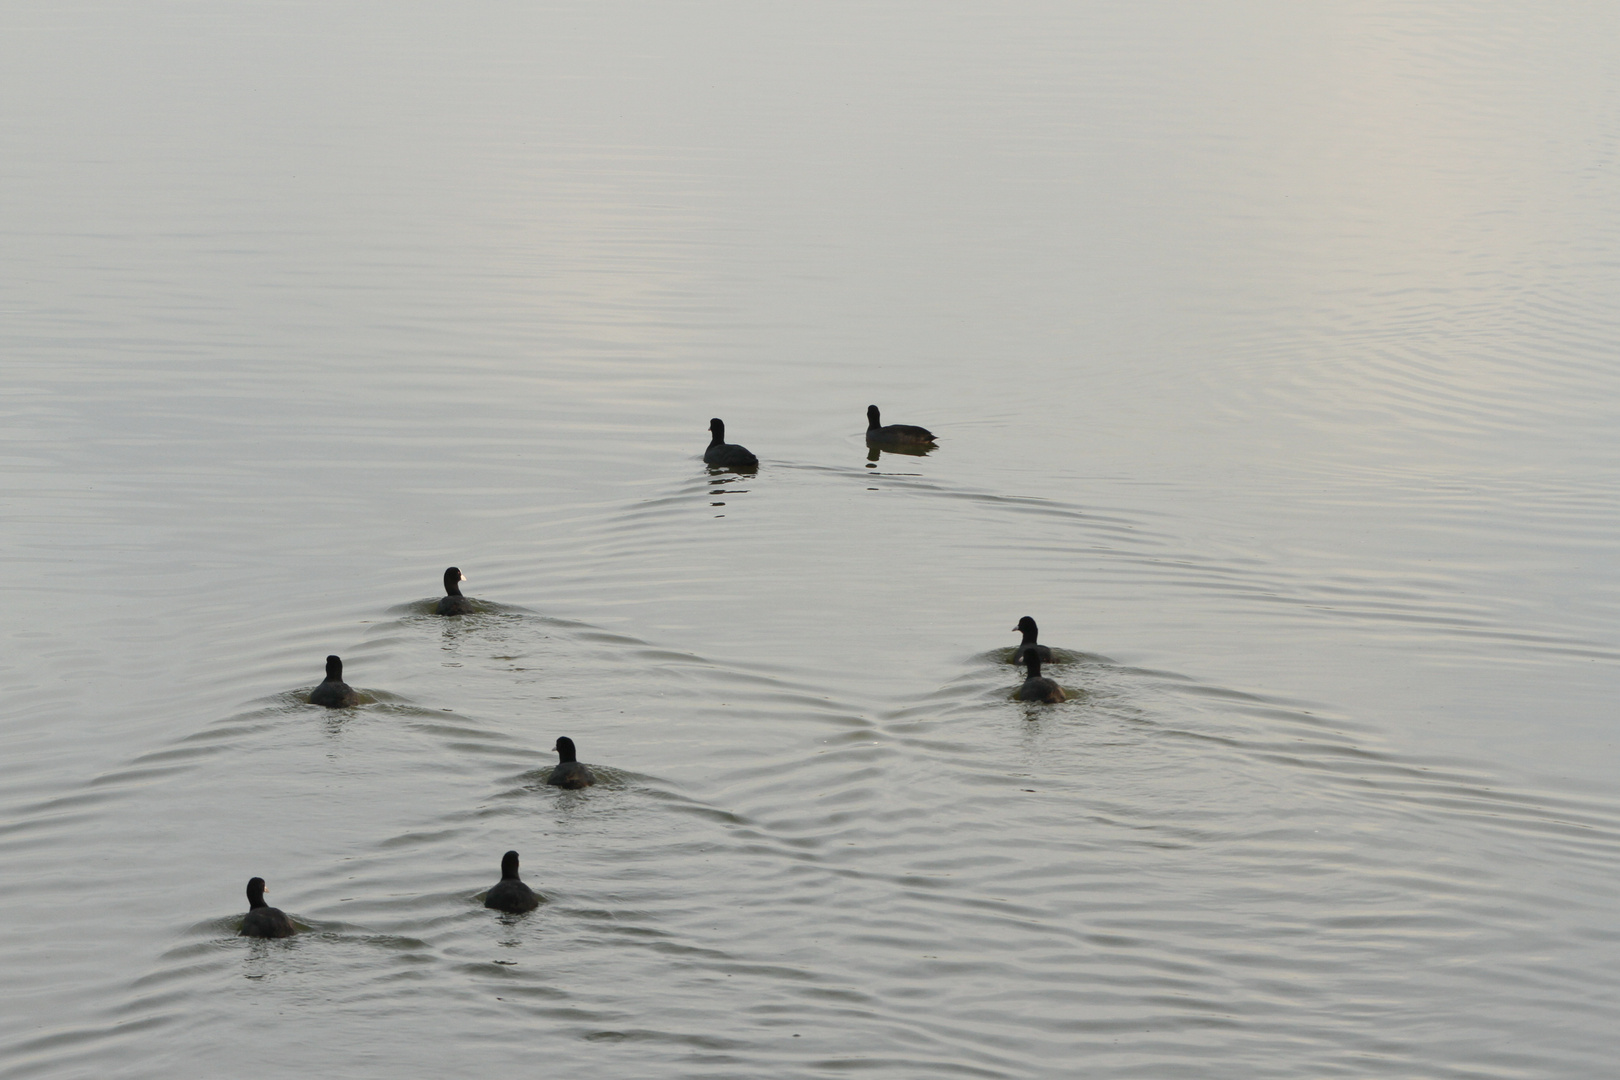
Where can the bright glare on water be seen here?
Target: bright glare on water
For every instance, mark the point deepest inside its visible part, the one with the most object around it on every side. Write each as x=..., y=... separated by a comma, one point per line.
x=1271, y=348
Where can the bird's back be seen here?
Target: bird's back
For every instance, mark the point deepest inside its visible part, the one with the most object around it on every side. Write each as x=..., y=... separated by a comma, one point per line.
x=266, y=922
x=900, y=433
x=570, y=774
x=511, y=895
x=334, y=695
x=730, y=455
x=1040, y=688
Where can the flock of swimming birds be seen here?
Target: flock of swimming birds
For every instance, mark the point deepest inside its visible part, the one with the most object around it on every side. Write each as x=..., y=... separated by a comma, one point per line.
x=510, y=894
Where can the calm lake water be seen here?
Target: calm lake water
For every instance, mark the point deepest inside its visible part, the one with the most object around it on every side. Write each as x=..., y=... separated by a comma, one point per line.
x=1272, y=350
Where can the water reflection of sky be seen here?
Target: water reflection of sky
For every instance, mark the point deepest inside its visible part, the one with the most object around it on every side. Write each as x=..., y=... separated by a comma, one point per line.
x=1270, y=350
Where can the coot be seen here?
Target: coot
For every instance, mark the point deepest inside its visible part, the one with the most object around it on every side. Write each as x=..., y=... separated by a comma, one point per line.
x=724, y=454
x=569, y=773
x=878, y=432
x=452, y=602
x=510, y=894
x=1026, y=626
x=1036, y=688
x=334, y=693
x=262, y=920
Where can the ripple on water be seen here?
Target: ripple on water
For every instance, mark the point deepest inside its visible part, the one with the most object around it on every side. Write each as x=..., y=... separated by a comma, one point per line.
x=1286, y=400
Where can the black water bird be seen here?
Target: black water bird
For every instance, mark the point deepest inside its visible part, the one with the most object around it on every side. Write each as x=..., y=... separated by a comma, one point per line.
x=878, y=432
x=727, y=455
x=262, y=920
x=510, y=894
x=1026, y=626
x=334, y=693
x=569, y=773
x=1035, y=687
x=452, y=602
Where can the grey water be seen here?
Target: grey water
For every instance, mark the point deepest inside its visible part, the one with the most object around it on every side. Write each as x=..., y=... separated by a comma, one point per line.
x=1272, y=352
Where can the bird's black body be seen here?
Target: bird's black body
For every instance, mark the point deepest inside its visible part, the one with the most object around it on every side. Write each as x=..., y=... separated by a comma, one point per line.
x=262, y=920
x=334, y=693
x=510, y=894
x=452, y=602
x=726, y=455
x=569, y=773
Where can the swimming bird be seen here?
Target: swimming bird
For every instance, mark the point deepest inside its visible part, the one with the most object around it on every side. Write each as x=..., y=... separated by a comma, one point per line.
x=452, y=602
x=1035, y=687
x=724, y=454
x=262, y=920
x=878, y=432
x=1026, y=626
x=510, y=894
x=334, y=693
x=569, y=773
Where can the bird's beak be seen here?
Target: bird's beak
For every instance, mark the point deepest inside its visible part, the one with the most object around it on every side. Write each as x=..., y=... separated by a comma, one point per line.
x=463, y=577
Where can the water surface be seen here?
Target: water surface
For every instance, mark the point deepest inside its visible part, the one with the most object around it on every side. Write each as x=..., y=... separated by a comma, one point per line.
x=1271, y=354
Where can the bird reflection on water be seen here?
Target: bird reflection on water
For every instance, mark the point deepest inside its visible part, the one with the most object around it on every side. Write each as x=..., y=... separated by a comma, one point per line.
x=875, y=451
x=718, y=476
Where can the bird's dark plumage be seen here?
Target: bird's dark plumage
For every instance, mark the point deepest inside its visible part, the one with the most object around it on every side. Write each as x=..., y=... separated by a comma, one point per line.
x=1026, y=626
x=726, y=455
x=569, y=772
x=1035, y=687
x=452, y=602
x=334, y=693
x=510, y=894
x=878, y=432
x=262, y=920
